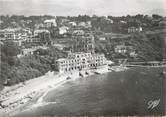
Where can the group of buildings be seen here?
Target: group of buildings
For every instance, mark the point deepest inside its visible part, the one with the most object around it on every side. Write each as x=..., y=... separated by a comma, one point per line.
x=22, y=37
x=124, y=49
x=81, y=56
x=32, y=36
x=42, y=32
x=16, y=35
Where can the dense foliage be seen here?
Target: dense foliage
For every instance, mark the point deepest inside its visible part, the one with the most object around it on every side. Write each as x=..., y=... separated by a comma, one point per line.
x=15, y=70
x=149, y=47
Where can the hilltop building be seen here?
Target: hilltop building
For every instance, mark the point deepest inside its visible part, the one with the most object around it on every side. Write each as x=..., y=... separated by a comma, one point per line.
x=50, y=23
x=63, y=30
x=123, y=49
x=134, y=29
x=83, y=43
x=16, y=35
x=39, y=31
x=78, y=32
x=39, y=37
x=72, y=23
x=38, y=26
x=85, y=24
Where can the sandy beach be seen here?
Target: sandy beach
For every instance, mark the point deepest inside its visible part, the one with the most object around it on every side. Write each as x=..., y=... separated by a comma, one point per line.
x=30, y=94
x=15, y=96
x=114, y=93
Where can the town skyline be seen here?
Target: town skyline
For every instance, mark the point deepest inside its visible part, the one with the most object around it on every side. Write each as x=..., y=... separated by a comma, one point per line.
x=82, y=7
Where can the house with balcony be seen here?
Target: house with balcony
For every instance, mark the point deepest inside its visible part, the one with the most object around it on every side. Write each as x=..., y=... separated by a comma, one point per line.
x=17, y=35
x=134, y=29
x=80, y=61
x=50, y=23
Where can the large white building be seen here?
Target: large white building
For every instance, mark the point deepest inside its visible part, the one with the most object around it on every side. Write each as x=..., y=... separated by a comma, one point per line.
x=85, y=24
x=37, y=32
x=40, y=36
x=49, y=23
x=14, y=34
x=80, y=61
x=134, y=29
x=63, y=30
x=72, y=23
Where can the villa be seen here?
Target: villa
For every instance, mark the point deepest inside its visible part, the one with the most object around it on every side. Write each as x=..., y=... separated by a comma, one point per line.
x=17, y=35
x=134, y=29
x=50, y=22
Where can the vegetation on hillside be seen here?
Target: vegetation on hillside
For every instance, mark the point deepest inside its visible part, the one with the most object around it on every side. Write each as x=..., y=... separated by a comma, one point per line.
x=14, y=70
x=148, y=47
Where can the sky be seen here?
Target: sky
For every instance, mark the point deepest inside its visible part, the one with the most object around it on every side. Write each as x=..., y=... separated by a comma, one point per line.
x=82, y=7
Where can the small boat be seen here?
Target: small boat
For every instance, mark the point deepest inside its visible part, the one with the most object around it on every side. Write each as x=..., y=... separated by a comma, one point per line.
x=97, y=73
x=80, y=74
x=68, y=78
x=86, y=73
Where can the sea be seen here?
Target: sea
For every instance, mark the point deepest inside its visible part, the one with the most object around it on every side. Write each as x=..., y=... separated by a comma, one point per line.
x=137, y=91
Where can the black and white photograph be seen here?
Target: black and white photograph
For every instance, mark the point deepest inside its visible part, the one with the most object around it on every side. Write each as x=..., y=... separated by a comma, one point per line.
x=82, y=58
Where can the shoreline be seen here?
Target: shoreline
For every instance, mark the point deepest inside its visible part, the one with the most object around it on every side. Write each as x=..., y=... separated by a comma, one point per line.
x=55, y=80
x=40, y=101
x=15, y=97
x=21, y=99
x=145, y=66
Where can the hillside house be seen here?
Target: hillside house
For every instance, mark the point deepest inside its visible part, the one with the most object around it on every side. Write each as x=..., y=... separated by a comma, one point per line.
x=134, y=29
x=63, y=30
x=50, y=23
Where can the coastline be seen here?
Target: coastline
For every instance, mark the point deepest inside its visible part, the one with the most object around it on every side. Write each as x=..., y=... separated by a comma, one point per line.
x=31, y=94
x=145, y=66
x=98, y=91
x=51, y=81
x=74, y=76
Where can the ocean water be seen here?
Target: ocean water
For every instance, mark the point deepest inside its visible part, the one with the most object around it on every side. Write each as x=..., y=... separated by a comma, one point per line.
x=116, y=93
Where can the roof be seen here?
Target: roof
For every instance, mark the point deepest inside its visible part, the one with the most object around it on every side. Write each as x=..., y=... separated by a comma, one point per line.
x=50, y=21
x=64, y=28
x=61, y=59
x=41, y=30
x=11, y=29
x=14, y=30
